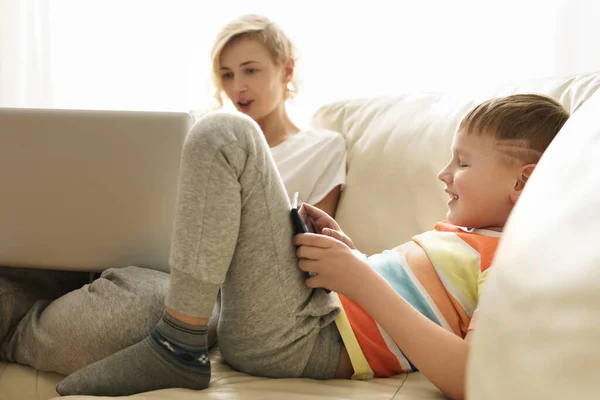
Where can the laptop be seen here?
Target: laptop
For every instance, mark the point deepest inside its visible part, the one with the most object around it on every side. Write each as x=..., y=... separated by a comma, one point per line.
x=88, y=190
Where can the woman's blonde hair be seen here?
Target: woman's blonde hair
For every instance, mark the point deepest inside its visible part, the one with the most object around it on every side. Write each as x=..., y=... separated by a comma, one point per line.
x=253, y=27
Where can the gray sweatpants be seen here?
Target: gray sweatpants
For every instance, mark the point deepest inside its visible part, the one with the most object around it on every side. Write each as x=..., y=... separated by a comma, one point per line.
x=233, y=231
x=56, y=321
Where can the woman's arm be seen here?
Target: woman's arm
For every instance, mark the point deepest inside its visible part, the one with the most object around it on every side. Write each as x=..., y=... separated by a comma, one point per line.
x=329, y=203
x=440, y=355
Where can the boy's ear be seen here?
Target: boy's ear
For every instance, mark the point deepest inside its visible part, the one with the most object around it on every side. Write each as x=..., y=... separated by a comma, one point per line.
x=523, y=176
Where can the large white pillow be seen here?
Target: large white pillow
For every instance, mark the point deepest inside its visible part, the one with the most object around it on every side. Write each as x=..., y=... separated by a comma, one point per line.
x=538, y=335
x=398, y=144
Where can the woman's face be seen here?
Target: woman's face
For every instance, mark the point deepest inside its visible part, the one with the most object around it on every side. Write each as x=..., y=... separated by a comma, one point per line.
x=250, y=78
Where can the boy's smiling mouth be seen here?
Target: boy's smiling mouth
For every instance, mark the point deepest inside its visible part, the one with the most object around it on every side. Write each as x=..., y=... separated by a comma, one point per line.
x=453, y=197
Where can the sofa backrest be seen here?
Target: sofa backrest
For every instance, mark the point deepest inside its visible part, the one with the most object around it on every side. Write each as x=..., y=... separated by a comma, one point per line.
x=539, y=315
x=398, y=144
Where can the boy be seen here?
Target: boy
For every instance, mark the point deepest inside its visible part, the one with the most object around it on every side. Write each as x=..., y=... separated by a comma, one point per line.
x=406, y=308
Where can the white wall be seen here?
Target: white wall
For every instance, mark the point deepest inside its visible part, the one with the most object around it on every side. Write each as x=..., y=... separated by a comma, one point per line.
x=153, y=54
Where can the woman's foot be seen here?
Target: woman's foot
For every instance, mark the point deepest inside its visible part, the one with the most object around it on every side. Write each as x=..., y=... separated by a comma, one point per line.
x=175, y=355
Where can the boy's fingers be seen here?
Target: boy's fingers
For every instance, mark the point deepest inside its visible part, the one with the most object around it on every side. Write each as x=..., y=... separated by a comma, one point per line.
x=308, y=265
x=320, y=218
x=313, y=239
x=313, y=211
x=316, y=213
x=313, y=282
x=308, y=252
x=334, y=234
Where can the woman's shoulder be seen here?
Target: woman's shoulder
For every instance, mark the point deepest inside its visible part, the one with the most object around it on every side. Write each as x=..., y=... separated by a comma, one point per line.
x=323, y=137
x=317, y=144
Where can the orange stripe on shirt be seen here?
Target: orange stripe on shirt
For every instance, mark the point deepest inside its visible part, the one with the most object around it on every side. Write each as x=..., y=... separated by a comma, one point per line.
x=421, y=266
x=487, y=250
x=484, y=245
x=382, y=361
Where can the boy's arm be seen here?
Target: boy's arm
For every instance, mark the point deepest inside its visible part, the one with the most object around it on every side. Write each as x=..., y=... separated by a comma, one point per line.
x=439, y=354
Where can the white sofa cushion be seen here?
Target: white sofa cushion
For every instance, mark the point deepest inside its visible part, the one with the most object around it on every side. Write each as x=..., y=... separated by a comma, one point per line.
x=539, y=325
x=396, y=147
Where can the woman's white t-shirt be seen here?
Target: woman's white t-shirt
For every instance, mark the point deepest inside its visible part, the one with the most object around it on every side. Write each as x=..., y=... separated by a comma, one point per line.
x=311, y=162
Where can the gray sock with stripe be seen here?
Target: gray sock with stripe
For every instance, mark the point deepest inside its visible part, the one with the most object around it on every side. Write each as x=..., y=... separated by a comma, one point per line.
x=175, y=355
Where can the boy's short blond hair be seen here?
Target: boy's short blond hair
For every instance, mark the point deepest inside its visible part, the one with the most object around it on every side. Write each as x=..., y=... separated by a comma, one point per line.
x=523, y=124
x=252, y=27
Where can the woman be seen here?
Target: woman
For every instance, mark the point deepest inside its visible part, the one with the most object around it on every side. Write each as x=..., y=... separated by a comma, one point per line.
x=54, y=323
x=253, y=67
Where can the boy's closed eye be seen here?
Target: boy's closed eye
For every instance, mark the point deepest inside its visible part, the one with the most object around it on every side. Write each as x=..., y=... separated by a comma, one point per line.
x=461, y=162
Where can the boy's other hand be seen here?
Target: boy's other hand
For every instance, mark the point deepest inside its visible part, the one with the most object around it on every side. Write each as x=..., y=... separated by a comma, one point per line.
x=339, y=235
x=320, y=218
x=326, y=225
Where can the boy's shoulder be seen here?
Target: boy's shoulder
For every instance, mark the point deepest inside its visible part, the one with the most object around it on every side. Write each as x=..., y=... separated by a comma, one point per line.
x=447, y=238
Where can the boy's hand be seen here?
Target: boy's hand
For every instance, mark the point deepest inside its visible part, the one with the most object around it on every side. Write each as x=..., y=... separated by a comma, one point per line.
x=337, y=267
x=326, y=225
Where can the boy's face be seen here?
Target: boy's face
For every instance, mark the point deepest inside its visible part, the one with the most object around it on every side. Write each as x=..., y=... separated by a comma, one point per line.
x=482, y=185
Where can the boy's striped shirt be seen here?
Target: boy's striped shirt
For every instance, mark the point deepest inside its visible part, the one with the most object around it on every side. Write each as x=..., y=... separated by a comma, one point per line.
x=440, y=273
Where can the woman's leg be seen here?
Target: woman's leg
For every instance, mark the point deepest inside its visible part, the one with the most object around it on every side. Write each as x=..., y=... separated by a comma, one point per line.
x=59, y=323
x=233, y=232
x=22, y=290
